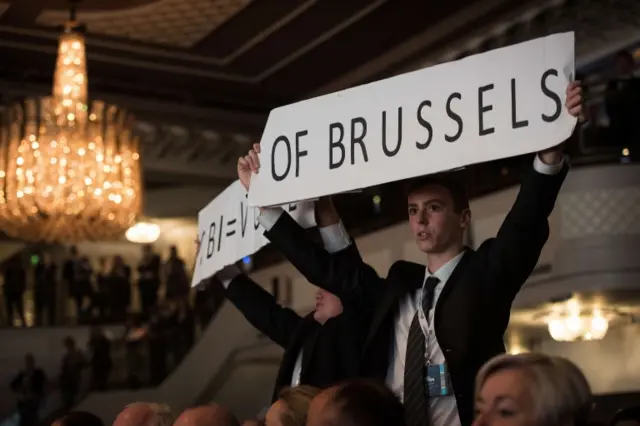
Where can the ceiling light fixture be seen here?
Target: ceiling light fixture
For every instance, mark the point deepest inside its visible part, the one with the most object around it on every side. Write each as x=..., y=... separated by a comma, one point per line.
x=69, y=168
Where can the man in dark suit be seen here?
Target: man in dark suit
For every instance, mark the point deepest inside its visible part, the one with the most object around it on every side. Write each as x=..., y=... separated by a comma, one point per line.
x=434, y=327
x=321, y=348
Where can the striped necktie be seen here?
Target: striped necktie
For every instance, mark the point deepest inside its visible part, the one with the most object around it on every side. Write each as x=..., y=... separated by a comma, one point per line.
x=415, y=394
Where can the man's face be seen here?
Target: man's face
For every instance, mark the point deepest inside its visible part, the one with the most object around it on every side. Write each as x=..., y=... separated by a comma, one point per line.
x=434, y=223
x=327, y=306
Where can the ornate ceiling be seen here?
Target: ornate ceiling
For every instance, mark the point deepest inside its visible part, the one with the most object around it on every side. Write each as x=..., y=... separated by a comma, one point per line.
x=201, y=75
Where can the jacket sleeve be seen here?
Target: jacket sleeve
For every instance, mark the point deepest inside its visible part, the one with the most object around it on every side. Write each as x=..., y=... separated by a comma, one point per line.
x=514, y=253
x=260, y=308
x=343, y=273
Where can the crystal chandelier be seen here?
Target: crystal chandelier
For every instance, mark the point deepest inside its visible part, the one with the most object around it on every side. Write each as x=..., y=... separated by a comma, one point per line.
x=69, y=168
x=570, y=322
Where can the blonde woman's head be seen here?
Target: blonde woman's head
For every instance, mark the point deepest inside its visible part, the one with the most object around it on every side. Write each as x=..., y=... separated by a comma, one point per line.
x=531, y=390
x=291, y=407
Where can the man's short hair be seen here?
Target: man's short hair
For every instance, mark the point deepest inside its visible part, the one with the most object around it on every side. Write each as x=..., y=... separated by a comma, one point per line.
x=453, y=185
x=365, y=403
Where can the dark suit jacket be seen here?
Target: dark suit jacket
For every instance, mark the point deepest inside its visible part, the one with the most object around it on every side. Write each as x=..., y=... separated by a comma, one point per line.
x=331, y=351
x=473, y=310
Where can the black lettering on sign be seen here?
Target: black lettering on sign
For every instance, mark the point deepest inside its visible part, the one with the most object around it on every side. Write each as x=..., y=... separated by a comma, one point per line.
x=211, y=240
x=455, y=117
x=256, y=222
x=299, y=153
x=244, y=213
x=482, y=108
x=515, y=124
x=220, y=233
x=200, y=245
x=551, y=95
x=424, y=123
x=391, y=152
x=358, y=139
x=293, y=207
x=230, y=223
x=280, y=177
x=336, y=143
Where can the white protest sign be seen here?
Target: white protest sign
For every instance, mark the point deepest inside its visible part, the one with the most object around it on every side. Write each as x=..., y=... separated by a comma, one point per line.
x=498, y=104
x=228, y=230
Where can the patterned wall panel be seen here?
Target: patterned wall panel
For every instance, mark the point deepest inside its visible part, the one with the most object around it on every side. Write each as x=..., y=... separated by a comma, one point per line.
x=179, y=23
x=601, y=212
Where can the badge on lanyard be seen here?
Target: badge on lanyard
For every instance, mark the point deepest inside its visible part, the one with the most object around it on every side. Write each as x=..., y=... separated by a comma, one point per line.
x=437, y=380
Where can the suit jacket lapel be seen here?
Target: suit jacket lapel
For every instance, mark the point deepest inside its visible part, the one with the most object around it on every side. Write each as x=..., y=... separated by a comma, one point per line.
x=462, y=265
x=399, y=284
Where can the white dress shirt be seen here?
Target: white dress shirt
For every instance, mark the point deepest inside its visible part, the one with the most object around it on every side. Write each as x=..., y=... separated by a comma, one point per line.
x=334, y=237
x=443, y=410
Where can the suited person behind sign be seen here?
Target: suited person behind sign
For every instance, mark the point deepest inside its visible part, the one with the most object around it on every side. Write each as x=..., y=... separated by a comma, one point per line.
x=321, y=348
x=472, y=291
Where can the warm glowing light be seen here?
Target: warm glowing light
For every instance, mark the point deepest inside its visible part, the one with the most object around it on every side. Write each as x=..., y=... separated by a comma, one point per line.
x=571, y=322
x=69, y=171
x=143, y=233
x=625, y=152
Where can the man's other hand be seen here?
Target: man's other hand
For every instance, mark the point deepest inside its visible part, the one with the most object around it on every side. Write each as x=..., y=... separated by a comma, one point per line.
x=574, y=106
x=249, y=164
x=326, y=213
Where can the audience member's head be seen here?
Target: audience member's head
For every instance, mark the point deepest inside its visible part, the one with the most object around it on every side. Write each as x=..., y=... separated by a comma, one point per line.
x=626, y=417
x=533, y=390
x=207, y=415
x=328, y=306
x=291, y=407
x=144, y=414
x=78, y=418
x=356, y=403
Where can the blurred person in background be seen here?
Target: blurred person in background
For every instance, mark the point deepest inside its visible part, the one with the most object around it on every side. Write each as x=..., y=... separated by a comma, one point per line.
x=145, y=414
x=207, y=415
x=120, y=283
x=15, y=284
x=149, y=279
x=45, y=290
x=135, y=336
x=531, y=390
x=69, y=267
x=177, y=280
x=101, y=363
x=29, y=388
x=83, y=289
x=623, y=104
x=291, y=407
x=104, y=293
x=70, y=379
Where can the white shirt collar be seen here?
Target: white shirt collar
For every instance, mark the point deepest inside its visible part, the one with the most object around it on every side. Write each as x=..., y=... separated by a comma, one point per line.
x=447, y=269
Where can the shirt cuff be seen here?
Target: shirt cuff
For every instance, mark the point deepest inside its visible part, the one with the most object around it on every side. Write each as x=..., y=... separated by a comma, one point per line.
x=334, y=237
x=228, y=274
x=269, y=216
x=548, y=169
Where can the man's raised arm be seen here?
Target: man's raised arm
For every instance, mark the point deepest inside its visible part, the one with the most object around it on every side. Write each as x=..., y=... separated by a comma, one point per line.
x=341, y=272
x=515, y=251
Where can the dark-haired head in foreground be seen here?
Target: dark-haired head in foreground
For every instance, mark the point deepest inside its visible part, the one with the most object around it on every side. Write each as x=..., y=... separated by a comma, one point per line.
x=356, y=403
x=78, y=418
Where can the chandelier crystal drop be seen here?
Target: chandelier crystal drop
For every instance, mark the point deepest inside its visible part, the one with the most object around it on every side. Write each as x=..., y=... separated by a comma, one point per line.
x=69, y=169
